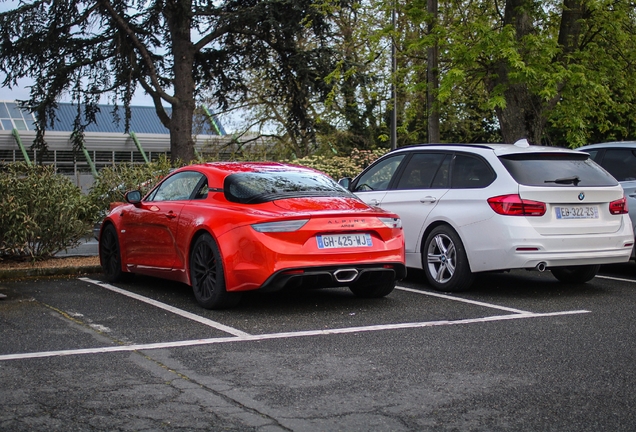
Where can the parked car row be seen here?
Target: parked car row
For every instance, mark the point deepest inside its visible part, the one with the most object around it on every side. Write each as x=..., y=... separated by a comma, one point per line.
x=452, y=210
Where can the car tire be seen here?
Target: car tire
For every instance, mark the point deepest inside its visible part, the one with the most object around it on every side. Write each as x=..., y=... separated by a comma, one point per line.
x=207, y=275
x=445, y=262
x=575, y=274
x=372, y=291
x=110, y=255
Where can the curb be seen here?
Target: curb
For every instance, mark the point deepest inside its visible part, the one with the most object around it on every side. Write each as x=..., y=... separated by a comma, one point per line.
x=51, y=271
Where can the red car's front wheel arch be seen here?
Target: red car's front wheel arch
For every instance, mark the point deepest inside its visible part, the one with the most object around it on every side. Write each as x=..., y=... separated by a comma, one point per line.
x=110, y=255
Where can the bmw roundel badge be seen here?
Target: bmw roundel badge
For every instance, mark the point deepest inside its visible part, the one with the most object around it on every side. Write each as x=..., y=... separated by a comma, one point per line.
x=581, y=196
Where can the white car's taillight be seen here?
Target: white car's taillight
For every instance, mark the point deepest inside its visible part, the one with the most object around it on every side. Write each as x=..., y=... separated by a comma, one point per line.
x=513, y=205
x=391, y=222
x=282, y=226
x=619, y=207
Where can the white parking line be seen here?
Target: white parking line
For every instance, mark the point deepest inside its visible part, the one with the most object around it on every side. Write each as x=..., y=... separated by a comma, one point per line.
x=240, y=336
x=616, y=279
x=247, y=337
x=174, y=310
x=463, y=300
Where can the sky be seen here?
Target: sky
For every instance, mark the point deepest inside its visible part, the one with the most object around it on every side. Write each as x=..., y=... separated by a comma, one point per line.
x=21, y=91
x=17, y=93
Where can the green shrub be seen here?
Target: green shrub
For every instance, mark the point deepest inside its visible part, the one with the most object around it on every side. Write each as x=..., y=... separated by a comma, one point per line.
x=41, y=213
x=341, y=166
x=113, y=182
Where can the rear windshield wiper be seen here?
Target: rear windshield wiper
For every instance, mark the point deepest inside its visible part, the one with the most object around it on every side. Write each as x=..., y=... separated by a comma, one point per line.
x=575, y=180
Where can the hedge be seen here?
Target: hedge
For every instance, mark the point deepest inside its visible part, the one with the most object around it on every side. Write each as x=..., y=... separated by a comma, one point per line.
x=41, y=212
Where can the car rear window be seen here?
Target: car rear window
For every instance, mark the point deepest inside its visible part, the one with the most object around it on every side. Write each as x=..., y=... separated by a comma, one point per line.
x=621, y=163
x=260, y=187
x=549, y=169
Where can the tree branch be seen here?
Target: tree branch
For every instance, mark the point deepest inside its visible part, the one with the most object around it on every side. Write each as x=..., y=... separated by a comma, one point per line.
x=145, y=55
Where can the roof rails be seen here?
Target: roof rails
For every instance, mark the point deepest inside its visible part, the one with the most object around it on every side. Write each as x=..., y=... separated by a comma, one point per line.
x=523, y=143
x=475, y=145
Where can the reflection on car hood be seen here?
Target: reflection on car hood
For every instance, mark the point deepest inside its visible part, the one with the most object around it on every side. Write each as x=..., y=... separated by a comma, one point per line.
x=323, y=204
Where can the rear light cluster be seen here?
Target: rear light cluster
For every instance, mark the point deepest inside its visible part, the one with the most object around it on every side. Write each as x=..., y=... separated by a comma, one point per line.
x=619, y=207
x=280, y=226
x=391, y=222
x=513, y=205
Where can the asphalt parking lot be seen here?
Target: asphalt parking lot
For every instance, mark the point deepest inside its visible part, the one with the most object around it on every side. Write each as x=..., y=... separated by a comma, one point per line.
x=520, y=351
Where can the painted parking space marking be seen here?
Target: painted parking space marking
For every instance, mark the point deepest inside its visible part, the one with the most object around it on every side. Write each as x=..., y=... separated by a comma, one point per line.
x=285, y=335
x=616, y=279
x=174, y=310
x=463, y=300
x=241, y=336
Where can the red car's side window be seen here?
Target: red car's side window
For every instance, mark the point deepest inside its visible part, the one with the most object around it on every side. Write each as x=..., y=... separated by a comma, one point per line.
x=177, y=187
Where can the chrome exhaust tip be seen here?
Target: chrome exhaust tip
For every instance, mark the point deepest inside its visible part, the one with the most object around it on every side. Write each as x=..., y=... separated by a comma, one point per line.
x=541, y=266
x=345, y=275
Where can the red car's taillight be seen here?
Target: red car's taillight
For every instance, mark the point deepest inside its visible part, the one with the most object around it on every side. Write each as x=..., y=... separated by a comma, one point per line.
x=619, y=207
x=280, y=226
x=513, y=205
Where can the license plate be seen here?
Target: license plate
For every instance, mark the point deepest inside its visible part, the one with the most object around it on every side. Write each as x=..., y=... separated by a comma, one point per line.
x=577, y=212
x=344, y=241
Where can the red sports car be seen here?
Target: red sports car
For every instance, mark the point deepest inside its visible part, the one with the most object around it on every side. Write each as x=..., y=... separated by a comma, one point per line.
x=229, y=227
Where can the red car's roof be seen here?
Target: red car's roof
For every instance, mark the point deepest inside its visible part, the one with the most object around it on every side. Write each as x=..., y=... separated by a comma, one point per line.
x=217, y=171
x=233, y=167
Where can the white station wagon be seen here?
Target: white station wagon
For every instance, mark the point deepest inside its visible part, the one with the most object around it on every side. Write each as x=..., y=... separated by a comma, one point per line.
x=470, y=208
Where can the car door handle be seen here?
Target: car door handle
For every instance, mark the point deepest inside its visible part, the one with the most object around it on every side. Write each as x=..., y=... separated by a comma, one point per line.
x=428, y=199
x=171, y=215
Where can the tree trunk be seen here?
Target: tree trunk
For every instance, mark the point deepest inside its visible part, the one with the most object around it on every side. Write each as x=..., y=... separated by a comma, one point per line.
x=520, y=117
x=570, y=30
x=432, y=78
x=178, y=15
x=524, y=115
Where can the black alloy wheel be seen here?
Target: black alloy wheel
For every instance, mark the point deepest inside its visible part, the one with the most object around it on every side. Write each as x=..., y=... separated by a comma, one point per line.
x=207, y=275
x=110, y=255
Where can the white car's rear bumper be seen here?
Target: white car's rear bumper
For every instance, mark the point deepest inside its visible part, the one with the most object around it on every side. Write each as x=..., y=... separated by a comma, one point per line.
x=498, y=246
x=518, y=246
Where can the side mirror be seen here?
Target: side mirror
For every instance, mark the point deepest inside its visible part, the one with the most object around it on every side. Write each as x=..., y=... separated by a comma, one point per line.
x=133, y=197
x=345, y=182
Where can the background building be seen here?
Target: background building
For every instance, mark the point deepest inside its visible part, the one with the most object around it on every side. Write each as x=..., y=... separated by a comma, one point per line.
x=106, y=143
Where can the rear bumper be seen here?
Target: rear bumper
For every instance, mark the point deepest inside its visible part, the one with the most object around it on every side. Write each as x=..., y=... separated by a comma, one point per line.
x=519, y=246
x=268, y=261
x=531, y=260
x=328, y=277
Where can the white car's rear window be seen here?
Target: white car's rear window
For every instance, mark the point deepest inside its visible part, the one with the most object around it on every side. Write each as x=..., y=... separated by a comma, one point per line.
x=550, y=169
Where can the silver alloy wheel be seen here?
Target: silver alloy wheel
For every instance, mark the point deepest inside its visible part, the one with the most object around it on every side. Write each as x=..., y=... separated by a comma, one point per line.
x=441, y=258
